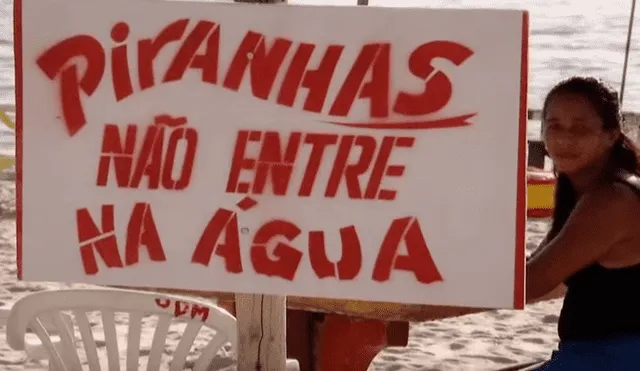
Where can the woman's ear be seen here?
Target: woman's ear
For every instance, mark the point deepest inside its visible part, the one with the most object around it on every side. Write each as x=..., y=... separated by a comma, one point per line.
x=612, y=136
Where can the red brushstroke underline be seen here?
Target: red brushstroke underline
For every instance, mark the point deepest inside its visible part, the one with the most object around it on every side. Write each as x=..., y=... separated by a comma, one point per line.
x=449, y=122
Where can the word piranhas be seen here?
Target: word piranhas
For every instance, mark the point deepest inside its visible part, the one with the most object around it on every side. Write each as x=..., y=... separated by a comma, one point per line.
x=369, y=74
x=221, y=238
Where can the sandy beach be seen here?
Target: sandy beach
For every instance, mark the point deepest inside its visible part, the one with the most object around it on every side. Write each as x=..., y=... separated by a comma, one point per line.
x=486, y=341
x=568, y=37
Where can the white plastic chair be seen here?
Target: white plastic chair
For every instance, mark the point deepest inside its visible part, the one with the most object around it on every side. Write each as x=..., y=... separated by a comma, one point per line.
x=33, y=346
x=31, y=311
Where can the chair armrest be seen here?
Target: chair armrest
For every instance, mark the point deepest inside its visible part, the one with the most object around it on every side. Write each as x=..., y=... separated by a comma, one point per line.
x=4, y=315
x=34, y=348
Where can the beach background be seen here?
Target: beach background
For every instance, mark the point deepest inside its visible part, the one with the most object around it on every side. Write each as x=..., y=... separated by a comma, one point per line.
x=568, y=37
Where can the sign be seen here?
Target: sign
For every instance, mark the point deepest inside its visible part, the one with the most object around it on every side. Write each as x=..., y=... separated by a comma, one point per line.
x=215, y=147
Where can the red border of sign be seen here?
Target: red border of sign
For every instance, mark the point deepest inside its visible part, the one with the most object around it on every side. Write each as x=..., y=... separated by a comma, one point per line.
x=521, y=196
x=521, y=207
x=17, y=52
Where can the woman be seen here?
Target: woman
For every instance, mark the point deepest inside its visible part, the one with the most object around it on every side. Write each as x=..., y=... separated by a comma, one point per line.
x=593, y=246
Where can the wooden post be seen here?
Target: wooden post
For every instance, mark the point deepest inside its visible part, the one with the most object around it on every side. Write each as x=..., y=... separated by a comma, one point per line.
x=262, y=329
x=262, y=323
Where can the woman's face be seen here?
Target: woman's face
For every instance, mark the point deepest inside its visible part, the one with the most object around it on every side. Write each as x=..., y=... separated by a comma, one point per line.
x=573, y=133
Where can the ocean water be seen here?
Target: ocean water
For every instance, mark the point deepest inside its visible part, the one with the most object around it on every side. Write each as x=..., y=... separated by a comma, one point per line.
x=568, y=37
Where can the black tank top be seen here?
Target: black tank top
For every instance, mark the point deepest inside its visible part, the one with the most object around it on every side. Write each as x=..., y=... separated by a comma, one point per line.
x=602, y=303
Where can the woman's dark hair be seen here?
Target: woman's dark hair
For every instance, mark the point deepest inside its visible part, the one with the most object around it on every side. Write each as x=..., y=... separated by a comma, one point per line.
x=624, y=155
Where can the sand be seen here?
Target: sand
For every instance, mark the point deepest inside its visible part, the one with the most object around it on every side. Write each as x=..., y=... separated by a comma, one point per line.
x=485, y=341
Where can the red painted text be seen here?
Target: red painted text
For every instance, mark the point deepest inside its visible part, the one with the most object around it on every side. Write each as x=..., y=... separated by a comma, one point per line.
x=80, y=63
x=277, y=157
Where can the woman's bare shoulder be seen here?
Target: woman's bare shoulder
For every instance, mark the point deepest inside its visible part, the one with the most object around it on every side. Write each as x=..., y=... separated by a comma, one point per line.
x=613, y=193
x=616, y=201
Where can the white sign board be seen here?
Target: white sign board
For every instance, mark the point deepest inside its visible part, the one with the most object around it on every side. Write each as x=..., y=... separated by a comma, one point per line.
x=374, y=154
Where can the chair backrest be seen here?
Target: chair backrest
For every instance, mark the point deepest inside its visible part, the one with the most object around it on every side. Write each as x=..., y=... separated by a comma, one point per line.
x=28, y=311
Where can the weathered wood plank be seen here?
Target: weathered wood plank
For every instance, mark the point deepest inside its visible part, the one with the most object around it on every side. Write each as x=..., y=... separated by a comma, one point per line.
x=261, y=332
x=355, y=308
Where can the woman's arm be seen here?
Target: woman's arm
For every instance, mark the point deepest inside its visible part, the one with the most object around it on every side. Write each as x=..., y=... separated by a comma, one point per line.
x=599, y=221
x=556, y=293
x=561, y=289
x=541, y=246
